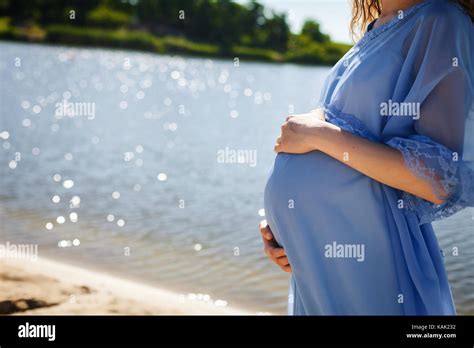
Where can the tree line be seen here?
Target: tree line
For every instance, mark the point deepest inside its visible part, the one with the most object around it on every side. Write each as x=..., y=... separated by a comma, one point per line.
x=224, y=23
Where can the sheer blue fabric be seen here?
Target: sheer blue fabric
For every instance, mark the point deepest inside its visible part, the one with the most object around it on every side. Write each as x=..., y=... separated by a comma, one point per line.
x=408, y=84
x=440, y=51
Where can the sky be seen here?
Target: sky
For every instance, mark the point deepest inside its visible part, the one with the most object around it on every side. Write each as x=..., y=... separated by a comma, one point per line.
x=333, y=15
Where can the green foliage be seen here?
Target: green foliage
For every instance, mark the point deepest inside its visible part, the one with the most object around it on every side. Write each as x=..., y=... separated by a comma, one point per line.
x=6, y=31
x=101, y=37
x=3, y=5
x=103, y=16
x=45, y=12
x=181, y=45
x=123, y=38
x=4, y=24
x=198, y=27
x=257, y=54
x=304, y=50
x=313, y=31
x=26, y=33
x=275, y=30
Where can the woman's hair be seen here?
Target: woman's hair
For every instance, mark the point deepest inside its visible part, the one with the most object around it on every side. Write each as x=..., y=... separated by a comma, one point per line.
x=366, y=11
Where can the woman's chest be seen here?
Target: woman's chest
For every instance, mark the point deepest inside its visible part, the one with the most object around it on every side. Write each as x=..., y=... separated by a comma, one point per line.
x=365, y=81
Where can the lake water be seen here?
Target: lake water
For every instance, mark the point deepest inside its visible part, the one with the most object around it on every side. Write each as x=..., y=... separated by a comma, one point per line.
x=144, y=159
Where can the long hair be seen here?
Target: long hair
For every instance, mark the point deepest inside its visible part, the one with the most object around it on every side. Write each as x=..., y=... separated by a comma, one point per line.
x=366, y=11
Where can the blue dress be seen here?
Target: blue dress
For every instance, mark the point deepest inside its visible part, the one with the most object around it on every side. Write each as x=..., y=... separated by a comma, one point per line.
x=356, y=246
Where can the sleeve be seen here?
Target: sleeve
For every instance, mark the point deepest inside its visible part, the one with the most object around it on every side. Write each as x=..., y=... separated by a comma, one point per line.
x=441, y=150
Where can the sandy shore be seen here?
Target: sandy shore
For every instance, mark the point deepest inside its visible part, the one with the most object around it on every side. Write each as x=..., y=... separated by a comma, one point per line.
x=50, y=287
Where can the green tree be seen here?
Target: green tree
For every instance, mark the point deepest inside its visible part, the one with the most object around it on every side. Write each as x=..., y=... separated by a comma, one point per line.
x=277, y=32
x=312, y=29
x=106, y=17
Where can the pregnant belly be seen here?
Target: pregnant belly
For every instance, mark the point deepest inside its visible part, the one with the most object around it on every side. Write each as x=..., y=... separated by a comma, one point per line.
x=317, y=199
x=331, y=221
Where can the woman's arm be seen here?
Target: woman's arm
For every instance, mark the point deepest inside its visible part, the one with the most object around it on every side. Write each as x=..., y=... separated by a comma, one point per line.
x=301, y=134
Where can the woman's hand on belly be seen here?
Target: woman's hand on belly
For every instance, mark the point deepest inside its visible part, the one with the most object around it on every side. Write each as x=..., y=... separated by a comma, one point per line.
x=380, y=162
x=299, y=132
x=272, y=249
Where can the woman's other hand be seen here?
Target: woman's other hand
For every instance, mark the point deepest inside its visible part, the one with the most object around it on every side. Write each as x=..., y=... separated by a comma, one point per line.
x=272, y=249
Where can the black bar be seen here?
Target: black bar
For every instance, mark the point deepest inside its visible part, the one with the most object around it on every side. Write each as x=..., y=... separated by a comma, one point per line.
x=194, y=330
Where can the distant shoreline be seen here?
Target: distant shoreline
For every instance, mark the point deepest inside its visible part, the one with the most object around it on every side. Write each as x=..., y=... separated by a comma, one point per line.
x=145, y=42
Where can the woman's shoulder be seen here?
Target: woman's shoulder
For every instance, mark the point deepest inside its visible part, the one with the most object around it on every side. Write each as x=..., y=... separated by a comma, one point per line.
x=445, y=20
x=444, y=12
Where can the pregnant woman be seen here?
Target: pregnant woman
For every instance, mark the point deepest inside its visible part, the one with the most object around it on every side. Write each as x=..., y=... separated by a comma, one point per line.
x=356, y=183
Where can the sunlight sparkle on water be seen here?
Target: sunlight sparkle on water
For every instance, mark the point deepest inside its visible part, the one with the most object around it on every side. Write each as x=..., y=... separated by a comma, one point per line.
x=68, y=184
x=36, y=109
x=162, y=177
x=75, y=202
x=12, y=164
x=128, y=156
x=175, y=75
x=73, y=217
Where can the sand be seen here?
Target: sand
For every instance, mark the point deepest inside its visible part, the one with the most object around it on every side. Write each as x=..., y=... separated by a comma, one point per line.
x=47, y=287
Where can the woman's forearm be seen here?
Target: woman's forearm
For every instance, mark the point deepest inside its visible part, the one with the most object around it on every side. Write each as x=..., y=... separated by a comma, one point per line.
x=378, y=161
